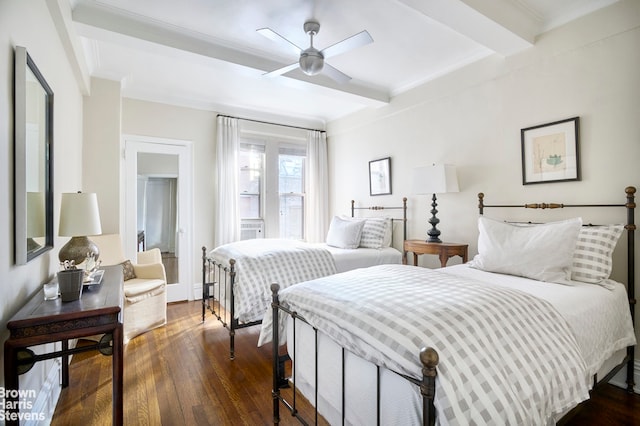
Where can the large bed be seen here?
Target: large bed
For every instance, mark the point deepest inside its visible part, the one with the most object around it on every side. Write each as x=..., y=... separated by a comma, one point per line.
x=491, y=341
x=236, y=276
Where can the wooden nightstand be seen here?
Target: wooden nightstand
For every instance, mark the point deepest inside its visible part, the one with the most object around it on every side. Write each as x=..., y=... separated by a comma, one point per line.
x=443, y=250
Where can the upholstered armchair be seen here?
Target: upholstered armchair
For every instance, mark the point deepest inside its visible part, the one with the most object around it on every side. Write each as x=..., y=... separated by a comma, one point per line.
x=145, y=285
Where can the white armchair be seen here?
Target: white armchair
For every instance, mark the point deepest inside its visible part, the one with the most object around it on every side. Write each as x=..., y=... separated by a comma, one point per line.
x=145, y=296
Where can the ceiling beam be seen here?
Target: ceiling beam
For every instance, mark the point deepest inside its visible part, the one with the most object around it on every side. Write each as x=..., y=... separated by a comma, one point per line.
x=132, y=26
x=499, y=25
x=61, y=16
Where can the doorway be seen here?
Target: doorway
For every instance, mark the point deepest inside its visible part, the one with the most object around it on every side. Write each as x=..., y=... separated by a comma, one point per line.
x=158, y=206
x=157, y=215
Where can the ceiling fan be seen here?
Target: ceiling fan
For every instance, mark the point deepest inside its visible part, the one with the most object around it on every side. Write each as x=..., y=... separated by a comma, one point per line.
x=311, y=60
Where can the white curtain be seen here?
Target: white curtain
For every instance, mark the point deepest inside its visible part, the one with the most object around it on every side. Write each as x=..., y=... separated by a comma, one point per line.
x=317, y=190
x=227, y=224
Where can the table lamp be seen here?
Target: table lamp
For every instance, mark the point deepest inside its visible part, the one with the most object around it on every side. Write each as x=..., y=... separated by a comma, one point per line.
x=434, y=179
x=79, y=217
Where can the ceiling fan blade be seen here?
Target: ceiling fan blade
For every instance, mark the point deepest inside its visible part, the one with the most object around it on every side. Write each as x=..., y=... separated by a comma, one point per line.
x=274, y=36
x=357, y=40
x=334, y=74
x=282, y=70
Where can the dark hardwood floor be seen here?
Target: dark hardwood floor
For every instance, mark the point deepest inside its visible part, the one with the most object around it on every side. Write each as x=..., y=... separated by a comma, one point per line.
x=181, y=374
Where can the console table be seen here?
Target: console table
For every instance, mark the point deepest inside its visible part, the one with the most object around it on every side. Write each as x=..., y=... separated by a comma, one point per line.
x=97, y=312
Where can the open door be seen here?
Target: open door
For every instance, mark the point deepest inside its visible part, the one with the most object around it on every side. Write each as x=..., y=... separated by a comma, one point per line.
x=158, y=206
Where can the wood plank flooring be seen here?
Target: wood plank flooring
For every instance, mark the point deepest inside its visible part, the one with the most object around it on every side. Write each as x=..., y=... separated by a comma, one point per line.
x=181, y=374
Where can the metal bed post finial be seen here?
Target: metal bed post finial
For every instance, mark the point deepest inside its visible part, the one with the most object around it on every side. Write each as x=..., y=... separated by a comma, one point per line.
x=429, y=359
x=481, y=202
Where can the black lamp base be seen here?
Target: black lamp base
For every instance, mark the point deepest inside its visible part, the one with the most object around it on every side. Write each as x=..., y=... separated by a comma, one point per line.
x=433, y=233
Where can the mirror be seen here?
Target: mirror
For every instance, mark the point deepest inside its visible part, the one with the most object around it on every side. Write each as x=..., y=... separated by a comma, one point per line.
x=33, y=162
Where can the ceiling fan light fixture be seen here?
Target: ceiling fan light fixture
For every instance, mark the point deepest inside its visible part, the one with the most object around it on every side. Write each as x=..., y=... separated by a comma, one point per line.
x=311, y=61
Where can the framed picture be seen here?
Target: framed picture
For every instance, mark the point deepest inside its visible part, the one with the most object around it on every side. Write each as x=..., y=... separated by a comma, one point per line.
x=380, y=176
x=550, y=152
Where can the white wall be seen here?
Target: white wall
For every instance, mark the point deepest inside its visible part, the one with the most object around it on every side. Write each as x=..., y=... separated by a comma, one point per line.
x=28, y=24
x=472, y=118
x=197, y=126
x=101, y=137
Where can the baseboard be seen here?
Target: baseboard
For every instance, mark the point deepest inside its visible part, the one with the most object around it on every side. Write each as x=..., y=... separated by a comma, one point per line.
x=47, y=397
x=197, y=291
x=620, y=379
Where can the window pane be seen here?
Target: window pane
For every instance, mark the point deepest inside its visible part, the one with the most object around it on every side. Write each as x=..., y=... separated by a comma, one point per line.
x=251, y=159
x=291, y=216
x=249, y=206
x=291, y=188
x=291, y=176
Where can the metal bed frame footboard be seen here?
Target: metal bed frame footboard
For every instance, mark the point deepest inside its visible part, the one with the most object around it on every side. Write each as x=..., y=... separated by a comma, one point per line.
x=217, y=283
x=427, y=384
x=429, y=356
x=218, y=280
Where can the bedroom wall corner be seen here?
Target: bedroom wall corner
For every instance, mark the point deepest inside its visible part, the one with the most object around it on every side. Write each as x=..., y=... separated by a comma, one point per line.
x=101, y=150
x=472, y=118
x=30, y=24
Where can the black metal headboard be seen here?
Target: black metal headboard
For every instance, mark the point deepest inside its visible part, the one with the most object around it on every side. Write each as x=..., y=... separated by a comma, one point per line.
x=403, y=208
x=630, y=227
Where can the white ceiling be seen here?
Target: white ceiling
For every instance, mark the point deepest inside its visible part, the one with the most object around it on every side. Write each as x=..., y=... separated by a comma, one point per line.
x=207, y=53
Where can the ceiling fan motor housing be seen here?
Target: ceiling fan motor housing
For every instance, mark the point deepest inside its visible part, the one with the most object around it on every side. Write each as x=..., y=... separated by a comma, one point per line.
x=311, y=61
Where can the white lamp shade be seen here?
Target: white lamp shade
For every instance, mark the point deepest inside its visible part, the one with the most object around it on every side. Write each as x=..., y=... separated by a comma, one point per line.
x=435, y=179
x=79, y=215
x=35, y=215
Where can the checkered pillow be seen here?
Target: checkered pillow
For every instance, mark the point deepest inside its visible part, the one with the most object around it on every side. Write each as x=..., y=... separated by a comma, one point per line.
x=592, y=261
x=373, y=232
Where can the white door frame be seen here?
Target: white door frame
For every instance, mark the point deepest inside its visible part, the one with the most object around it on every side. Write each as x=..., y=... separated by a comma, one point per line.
x=132, y=145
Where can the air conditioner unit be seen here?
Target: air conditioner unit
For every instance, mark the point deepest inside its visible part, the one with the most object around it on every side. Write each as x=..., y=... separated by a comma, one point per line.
x=251, y=229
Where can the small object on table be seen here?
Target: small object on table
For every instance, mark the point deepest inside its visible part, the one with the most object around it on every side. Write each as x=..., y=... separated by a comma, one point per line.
x=51, y=290
x=94, y=278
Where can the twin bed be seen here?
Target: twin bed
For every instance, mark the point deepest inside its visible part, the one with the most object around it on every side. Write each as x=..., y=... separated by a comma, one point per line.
x=236, y=277
x=519, y=335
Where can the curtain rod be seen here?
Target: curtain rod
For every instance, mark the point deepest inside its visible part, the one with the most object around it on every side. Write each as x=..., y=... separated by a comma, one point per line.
x=273, y=124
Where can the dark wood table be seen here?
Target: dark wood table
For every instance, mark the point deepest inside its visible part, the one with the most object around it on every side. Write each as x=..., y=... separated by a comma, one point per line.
x=97, y=312
x=443, y=250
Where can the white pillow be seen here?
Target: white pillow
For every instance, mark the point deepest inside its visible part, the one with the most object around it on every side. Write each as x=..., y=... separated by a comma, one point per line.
x=592, y=261
x=542, y=252
x=373, y=232
x=388, y=234
x=344, y=233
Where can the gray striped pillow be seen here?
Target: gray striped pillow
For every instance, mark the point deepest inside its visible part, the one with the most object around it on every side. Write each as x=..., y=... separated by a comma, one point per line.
x=373, y=232
x=592, y=261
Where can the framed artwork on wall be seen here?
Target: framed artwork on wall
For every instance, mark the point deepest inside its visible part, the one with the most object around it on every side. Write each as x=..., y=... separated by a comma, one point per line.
x=550, y=152
x=380, y=176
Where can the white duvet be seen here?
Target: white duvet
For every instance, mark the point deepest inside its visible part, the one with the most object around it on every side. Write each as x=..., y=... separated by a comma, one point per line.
x=599, y=319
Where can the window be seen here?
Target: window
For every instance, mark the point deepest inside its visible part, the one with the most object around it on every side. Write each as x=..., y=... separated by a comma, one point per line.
x=291, y=190
x=251, y=161
x=271, y=184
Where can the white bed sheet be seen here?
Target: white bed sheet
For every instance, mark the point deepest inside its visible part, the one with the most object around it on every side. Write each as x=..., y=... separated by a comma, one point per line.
x=348, y=259
x=599, y=317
